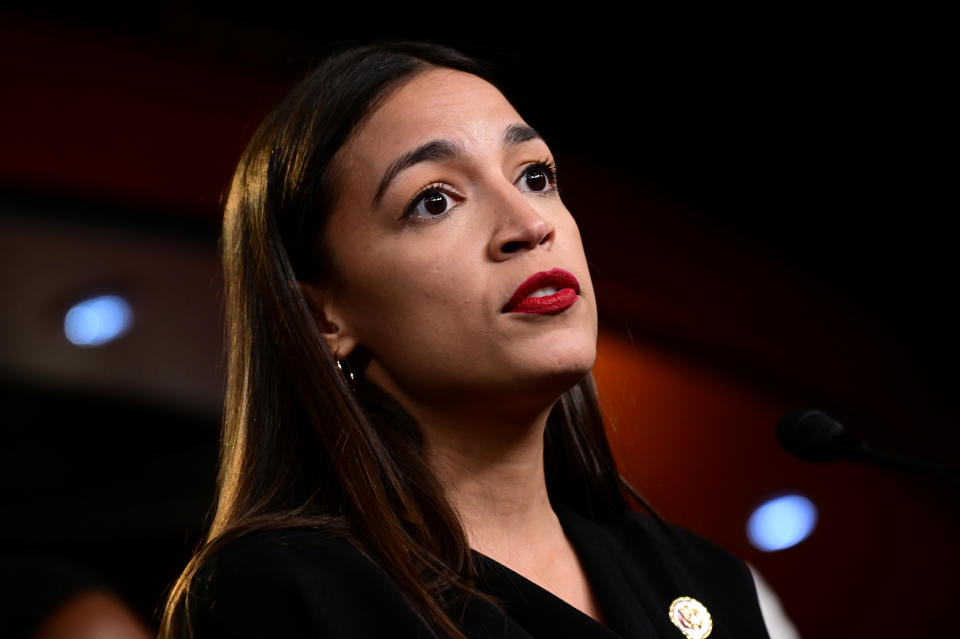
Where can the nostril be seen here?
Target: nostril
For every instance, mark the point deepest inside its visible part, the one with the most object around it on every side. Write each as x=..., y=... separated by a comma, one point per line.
x=512, y=247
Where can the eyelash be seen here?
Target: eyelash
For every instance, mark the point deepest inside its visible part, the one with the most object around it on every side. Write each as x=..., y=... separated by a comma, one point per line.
x=550, y=168
x=547, y=166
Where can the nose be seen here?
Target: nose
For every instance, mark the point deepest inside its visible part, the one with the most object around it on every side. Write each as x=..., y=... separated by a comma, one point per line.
x=521, y=227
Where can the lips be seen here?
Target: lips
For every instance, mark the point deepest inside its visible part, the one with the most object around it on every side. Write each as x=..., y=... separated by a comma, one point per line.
x=567, y=286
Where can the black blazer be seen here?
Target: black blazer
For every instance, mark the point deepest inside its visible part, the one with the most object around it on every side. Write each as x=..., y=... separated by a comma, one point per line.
x=302, y=583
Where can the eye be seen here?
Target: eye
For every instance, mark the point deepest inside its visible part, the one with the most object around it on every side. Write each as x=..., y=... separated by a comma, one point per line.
x=432, y=202
x=540, y=177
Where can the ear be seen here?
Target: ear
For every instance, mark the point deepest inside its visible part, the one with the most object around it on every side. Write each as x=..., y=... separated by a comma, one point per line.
x=332, y=324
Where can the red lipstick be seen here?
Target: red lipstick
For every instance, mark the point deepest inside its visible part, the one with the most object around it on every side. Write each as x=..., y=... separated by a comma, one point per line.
x=568, y=289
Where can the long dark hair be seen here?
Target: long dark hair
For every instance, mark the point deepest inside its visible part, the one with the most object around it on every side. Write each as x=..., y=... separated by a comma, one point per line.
x=290, y=412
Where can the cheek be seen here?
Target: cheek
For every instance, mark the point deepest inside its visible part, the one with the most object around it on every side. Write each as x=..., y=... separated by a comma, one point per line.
x=417, y=297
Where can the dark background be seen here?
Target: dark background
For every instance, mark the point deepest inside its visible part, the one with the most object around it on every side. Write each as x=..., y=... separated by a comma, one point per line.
x=764, y=197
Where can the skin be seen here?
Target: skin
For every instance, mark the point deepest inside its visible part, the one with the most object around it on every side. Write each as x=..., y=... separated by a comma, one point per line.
x=425, y=295
x=92, y=615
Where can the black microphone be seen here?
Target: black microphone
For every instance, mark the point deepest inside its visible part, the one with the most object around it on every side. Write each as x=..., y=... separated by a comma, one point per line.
x=815, y=436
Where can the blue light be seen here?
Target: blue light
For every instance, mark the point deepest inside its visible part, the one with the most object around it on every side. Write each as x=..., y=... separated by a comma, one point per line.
x=98, y=320
x=782, y=522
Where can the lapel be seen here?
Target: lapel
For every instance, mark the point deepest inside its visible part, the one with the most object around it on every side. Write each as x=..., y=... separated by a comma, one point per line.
x=533, y=611
x=635, y=573
x=538, y=612
x=651, y=572
x=608, y=569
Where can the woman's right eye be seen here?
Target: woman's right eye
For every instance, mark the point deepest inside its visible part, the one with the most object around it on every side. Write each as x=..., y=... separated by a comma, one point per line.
x=432, y=202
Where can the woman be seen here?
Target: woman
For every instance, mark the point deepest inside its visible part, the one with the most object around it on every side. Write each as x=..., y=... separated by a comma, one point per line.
x=412, y=444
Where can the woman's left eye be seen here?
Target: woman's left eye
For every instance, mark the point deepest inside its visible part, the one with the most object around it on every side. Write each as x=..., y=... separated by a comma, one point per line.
x=540, y=177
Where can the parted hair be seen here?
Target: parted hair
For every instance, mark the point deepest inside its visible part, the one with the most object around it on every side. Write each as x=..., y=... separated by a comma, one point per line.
x=301, y=445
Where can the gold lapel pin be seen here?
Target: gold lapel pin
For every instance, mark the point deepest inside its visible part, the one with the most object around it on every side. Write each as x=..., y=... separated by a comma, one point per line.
x=691, y=617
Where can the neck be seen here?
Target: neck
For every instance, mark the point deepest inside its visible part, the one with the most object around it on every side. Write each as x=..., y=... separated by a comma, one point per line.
x=491, y=468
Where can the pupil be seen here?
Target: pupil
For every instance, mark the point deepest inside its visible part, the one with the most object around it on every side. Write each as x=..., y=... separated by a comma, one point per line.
x=537, y=180
x=435, y=204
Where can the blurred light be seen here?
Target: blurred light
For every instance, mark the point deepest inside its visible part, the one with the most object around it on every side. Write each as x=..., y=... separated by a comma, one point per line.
x=782, y=522
x=98, y=320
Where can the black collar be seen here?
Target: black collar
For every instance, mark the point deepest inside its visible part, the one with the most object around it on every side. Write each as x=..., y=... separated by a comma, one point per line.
x=540, y=613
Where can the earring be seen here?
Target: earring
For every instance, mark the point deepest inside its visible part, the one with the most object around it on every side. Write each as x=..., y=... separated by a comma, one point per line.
x=347, y=374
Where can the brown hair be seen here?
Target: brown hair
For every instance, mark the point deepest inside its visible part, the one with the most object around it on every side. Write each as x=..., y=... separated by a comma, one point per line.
x=289, y=412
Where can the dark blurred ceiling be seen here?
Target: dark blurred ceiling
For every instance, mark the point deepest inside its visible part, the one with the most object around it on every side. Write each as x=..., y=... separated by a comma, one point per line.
x=818, y=137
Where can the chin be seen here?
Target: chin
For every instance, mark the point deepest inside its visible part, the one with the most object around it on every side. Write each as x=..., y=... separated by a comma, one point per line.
x=562, y=370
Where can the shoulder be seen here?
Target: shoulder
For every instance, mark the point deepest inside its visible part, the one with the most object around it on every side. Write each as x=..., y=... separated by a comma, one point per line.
x=690, y=565
x=637, y=530
x=271, y=554
x=293, y=583
x=684, y=545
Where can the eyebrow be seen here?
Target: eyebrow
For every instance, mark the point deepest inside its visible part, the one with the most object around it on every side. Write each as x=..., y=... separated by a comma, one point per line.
x=444, y=150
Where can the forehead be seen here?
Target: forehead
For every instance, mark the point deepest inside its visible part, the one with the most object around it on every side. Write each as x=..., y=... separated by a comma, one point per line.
x=438, y=103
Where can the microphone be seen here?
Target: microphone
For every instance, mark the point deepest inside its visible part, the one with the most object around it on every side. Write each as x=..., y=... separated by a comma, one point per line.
x=815, y=436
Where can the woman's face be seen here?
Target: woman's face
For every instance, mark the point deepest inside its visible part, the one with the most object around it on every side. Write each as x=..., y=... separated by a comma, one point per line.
x=447, y=205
